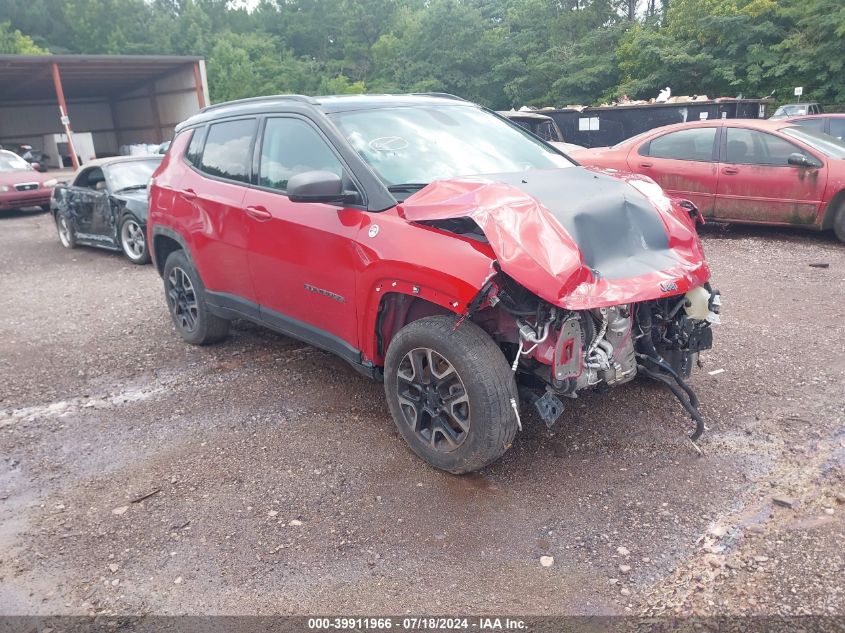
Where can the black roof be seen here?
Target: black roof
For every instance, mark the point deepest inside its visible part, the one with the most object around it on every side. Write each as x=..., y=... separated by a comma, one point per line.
x=325, y=104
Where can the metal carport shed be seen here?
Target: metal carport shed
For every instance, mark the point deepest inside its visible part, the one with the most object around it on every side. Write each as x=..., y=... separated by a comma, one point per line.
x=103, y=101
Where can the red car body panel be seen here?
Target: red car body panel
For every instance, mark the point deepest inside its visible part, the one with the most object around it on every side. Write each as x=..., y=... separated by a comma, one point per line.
x=783, y=195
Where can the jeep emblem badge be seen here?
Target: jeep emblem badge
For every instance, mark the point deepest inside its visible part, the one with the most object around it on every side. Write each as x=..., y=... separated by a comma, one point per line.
x=373, y=230
x=668, y=286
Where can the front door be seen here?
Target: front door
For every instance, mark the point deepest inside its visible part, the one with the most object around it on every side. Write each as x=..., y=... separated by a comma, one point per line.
x=302, y=256
x=89, y=205
x=757, y=183
x=683, y=163
x=95, y=216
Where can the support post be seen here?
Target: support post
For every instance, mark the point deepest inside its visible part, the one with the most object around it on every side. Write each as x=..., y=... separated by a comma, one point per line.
x=157, y=135
x=60, y=95
x=198, y=84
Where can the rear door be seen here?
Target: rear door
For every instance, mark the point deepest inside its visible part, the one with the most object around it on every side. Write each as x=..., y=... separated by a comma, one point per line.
x=302, y=255
x=757, y=183
x=683, y=162
x=211, y=195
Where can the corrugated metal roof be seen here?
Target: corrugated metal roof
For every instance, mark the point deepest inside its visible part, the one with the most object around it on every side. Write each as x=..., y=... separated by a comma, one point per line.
x=29, y=77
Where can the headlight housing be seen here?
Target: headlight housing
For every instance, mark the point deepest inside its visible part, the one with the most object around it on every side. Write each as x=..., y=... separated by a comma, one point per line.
x=52, y=182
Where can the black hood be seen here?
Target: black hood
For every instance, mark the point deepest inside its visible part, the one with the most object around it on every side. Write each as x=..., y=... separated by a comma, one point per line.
x=617, y=229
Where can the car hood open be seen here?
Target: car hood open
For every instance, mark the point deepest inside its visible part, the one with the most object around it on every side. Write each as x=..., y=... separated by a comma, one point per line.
x=576, y=237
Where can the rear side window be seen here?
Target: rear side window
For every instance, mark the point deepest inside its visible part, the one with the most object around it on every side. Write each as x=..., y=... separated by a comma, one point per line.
x=290, y=147
x=192, y=155
x=837, y=129
x=694, y=144
x=751, y=147
x=227, y=152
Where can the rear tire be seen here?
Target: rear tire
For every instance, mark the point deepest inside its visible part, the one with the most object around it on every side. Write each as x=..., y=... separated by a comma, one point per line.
x=839, y=223
x=451, y=393
x=185, y=295
x=67, y=237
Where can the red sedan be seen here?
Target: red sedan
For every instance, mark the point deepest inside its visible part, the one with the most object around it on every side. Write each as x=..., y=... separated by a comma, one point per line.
x=22, y=186
x=740, y=170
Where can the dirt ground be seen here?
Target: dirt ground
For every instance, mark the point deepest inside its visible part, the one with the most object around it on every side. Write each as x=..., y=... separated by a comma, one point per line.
x=281, y=487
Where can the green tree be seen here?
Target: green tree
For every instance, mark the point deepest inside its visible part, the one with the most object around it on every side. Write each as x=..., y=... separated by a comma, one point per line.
x=13, y=42
x=813, y=52
x=502, y=53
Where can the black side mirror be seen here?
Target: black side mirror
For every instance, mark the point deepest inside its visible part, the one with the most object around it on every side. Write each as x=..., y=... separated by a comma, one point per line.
x=318, y=186
x=802, y=160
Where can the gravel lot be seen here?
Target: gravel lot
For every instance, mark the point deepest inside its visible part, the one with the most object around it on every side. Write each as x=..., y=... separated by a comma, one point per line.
x=281, y=486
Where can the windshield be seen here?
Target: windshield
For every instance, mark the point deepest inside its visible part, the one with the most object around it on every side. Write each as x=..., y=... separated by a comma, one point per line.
x=422, y=144
x=12, y=162
x=134, y=174
x=790, y=110
x=544, y=128
x=828, y=145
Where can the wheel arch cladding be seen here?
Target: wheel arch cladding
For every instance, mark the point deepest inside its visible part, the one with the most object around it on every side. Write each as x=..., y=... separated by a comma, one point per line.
x=163, y=246
x=396, y=310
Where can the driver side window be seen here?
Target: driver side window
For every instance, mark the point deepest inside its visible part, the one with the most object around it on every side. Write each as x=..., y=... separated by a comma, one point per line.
x=751, y=147
x=290, y=147
x=92, y=179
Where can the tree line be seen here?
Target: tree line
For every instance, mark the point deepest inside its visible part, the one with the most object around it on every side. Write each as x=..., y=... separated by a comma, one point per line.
x=501, y=53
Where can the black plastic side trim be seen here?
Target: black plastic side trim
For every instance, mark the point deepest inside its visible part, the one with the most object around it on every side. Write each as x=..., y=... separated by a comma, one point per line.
x=308, y=333
x=176, y=237
x=228, y=306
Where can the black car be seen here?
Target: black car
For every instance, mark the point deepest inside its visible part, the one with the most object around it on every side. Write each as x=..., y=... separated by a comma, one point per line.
x=106, y=206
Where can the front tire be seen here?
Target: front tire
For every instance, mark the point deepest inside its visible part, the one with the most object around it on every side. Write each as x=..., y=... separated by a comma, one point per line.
x=451, y=393
x=133, y=240
x=67, y=237
x=189, y=310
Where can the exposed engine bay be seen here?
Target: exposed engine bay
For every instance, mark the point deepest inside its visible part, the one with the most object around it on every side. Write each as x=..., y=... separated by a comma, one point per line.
x=588, y=289
x=557, y=352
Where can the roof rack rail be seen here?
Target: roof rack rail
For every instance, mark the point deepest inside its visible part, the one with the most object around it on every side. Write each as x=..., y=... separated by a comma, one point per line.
x=442, y=95
x=292, y=97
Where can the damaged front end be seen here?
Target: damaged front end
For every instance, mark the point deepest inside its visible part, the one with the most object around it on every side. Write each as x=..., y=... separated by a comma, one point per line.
x=596, y=279
x=558, y=352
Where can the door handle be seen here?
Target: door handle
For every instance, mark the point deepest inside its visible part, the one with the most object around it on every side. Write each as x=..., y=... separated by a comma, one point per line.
x=646, y=164
x=259, y=213
x=730, y=171
x=188, y=194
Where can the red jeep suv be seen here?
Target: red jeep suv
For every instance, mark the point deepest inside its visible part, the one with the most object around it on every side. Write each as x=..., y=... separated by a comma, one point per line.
x=437, y=247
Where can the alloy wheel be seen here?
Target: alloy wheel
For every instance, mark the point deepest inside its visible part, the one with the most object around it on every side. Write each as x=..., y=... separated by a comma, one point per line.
x=433, y=399
x=182, y=299
x=64, y=231
x=132, y=239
